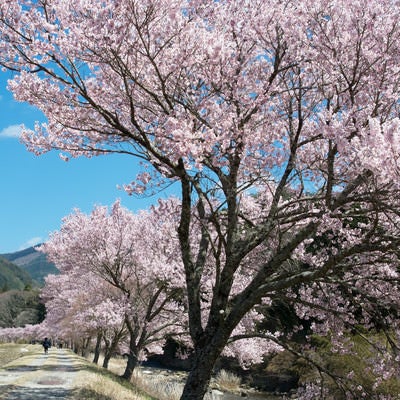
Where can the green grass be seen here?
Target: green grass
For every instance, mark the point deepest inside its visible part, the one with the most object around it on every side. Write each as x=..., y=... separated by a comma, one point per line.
x=10, y=352
x=97, y=383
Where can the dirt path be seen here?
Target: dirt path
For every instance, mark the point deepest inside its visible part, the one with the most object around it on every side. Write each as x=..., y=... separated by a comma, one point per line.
x=40, y=376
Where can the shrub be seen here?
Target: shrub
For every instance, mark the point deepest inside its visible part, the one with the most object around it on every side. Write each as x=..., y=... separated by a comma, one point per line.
x=228, y=380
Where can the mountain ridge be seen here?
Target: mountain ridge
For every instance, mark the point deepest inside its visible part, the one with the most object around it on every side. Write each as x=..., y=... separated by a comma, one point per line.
x=33, y=262
x=13, y=277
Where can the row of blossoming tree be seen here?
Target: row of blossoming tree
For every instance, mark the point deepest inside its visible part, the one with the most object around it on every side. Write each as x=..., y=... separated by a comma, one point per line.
x=119, y=280
x=120, y=288
x=279, y=121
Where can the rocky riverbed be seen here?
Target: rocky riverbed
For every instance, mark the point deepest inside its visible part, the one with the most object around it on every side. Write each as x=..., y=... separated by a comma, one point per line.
x=171, y=378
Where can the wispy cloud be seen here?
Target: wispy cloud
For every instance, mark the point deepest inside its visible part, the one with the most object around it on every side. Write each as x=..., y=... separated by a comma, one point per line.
x=12, y=131
x=32, y=242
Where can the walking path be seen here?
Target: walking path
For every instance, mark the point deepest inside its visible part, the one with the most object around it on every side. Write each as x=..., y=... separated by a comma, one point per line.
x=59, y=374
x=40, y=376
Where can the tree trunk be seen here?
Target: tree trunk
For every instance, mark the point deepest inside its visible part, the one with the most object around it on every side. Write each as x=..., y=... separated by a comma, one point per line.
x=75, y=347
x=107, y=353
x=198, y=380
x=132, y=361
x=107, y=357
x=130, y=366
x=85, y=347
x=110, y=350
x=132, y=357
x=97, y=348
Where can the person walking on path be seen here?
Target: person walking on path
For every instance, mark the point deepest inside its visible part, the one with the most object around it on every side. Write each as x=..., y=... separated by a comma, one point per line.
x=46, y=345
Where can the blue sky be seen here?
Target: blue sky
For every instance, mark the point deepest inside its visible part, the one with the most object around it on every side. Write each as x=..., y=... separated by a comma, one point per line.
x=38, y=191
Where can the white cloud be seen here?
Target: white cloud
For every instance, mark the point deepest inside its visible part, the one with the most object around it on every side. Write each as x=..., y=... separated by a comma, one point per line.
x=12, y=131
x=32, y=242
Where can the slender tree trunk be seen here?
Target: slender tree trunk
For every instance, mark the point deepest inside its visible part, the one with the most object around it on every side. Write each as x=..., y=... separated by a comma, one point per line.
x=97, y=348
x=107, y=353
x=75, y=347
x=110, y=350
x=107, y=357
x=85, y=347
x=132, y=355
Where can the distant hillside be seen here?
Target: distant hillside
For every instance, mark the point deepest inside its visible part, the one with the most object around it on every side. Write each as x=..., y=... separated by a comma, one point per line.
x=20, y=307
x=33, y=262
x=13, y=277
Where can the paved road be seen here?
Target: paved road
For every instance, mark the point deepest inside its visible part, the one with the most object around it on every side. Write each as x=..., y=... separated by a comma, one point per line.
x=39, y=377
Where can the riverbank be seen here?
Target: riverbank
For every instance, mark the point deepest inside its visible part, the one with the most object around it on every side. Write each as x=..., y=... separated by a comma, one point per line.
x=166, y=384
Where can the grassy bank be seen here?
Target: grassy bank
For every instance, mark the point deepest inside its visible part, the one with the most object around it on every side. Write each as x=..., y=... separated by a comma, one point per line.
x=10, y=352
x=168, y=385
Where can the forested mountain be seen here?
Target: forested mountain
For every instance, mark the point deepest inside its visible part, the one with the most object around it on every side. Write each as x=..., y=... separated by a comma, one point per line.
x=13, y=277
x=21, y=274
x=33, y=262
x=20, y=307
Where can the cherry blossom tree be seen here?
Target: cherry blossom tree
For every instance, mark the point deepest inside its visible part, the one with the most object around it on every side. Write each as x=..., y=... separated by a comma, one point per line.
x=81, y=306
x=279, y=121
x=135, y=290
x=27, y=333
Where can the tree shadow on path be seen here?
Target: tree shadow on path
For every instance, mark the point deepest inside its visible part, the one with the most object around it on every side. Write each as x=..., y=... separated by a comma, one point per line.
x=49, y=377
x=47, y=367
x=46, y=393
x=27, y=393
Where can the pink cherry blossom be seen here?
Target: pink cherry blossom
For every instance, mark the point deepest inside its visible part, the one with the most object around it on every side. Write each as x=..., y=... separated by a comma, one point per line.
x=280, y=122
